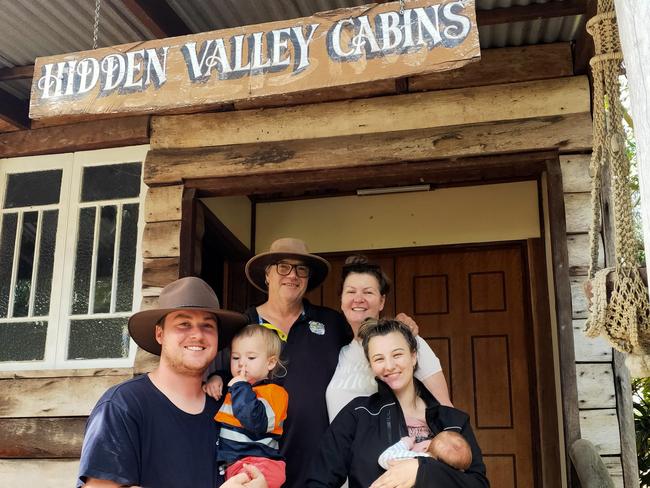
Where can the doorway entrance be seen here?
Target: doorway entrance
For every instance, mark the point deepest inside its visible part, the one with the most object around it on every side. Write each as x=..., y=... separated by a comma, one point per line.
x=471, y=307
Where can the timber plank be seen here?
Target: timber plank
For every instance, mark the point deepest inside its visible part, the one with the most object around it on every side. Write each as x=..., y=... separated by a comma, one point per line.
x=623, y=386
x=595, y=385
x=58, y=437
x=163, y=203
x=7, y=127
x=579, y=302
x=590, y=349
x=560, y=96
x=159, y=272
x=503, y=65
x=575, y=173
x=578, y=212
x=125, y=131
x=615, y=469
x=50, y=397
x=43, y=473
x=161, y=239
x=566, y=133
x=328, y=94
x=601, y=428
x=64, y=373
x=580, y=254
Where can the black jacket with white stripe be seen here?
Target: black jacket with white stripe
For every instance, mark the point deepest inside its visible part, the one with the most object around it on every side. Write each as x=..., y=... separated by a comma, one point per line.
x=368, y=425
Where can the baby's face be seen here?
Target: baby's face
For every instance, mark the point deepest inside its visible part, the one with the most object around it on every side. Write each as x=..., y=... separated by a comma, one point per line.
x=249, y=358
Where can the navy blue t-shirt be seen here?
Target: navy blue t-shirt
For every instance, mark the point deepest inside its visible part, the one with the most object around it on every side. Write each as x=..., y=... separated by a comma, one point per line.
x=136, y=436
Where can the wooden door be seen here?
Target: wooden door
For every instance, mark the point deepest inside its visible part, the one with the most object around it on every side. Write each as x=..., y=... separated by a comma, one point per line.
x=470, y=305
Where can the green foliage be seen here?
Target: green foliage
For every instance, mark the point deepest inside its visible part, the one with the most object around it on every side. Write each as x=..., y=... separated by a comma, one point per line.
x=641, y=399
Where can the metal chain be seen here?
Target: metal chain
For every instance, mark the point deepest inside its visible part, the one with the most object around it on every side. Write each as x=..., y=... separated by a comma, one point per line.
x=401, y=7
x=96, y=26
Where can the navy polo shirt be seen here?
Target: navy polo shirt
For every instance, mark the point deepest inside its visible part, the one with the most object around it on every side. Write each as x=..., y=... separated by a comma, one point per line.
x=310, y=355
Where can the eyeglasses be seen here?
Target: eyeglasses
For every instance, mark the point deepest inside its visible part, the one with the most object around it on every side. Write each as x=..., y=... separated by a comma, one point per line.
x=284, y=269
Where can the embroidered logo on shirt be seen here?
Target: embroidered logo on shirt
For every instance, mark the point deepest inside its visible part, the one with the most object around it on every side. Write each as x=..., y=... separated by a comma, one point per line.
x=317, y=327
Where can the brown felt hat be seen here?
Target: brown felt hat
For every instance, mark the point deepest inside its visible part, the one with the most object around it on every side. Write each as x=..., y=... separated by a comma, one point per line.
x=286, y=248
x=188, y=293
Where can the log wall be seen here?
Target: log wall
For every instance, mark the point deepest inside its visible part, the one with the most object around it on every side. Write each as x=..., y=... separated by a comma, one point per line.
x=42, y=419
x=594, y=357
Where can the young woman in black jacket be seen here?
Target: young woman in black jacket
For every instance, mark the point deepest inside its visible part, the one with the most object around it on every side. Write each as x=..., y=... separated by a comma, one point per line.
x=402, y=406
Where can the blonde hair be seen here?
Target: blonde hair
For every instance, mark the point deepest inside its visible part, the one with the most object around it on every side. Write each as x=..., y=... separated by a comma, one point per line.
x=271, y=340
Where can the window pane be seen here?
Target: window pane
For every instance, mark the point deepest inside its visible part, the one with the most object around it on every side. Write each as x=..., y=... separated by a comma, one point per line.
x=105, y=254
x=111, y=182
x=7, y=243
x=128, y=240
x=98, y=338
x=22, y=341
x=45, y=263
x=25, y=264
x=83, y=261
x=35, y=188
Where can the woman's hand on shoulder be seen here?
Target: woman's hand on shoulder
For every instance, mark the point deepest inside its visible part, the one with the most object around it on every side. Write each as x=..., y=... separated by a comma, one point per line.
x=409, y=322
x=401, y=474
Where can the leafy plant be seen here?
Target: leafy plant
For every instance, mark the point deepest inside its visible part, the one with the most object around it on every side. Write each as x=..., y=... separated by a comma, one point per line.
x=641, y=402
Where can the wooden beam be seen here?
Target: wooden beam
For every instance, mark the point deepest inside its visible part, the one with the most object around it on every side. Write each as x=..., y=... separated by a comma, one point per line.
x=17, y=73
x=44, y=473
x=98, y=134
x=563, y=309
x=161, y=239
x=159, y=272
x=331, y=94
x=158, y=16
x=488, y=169
x=535, y=11
x=572, y=133
x=561, y=96
x=14, y=110
x=503, y=65
x=53, y=397
x=58, y=437
x=163, y=203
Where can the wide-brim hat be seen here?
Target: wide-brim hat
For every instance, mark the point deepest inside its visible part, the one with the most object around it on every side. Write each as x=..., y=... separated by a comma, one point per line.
x=286, y=248
x=188, y=293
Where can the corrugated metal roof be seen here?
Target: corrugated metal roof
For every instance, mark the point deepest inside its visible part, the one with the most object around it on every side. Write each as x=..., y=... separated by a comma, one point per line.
x=33, y=28
x=41, y=28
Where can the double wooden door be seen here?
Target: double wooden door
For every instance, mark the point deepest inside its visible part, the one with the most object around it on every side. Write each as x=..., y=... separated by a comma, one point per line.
x=471, y=307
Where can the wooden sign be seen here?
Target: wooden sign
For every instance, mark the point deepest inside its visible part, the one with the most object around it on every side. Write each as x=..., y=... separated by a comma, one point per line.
x=195, y=72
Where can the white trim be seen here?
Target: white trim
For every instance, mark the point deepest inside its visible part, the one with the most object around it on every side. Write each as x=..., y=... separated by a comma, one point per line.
x=94, y=258
x=14, y=265
x=35, y=264
x=116, y=256
x=68, y=208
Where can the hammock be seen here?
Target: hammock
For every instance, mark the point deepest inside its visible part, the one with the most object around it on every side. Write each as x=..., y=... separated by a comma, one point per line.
x=624, y=319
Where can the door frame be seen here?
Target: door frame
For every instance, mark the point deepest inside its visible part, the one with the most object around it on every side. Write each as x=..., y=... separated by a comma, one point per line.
x=542, y=166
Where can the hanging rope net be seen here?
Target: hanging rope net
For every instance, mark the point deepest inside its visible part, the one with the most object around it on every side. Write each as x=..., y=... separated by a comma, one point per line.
x=624, y=318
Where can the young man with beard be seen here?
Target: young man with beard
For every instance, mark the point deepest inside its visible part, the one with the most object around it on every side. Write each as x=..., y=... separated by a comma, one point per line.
x=157, y=430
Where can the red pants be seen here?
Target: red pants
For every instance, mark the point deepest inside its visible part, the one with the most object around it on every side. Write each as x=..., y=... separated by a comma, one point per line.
x=272, y=469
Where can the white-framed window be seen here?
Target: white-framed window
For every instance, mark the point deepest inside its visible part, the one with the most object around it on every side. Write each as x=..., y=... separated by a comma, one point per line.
x=70, y=258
